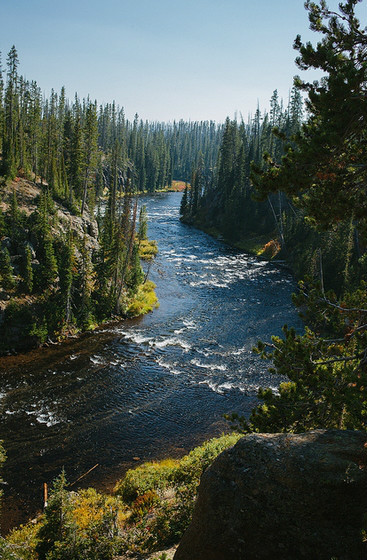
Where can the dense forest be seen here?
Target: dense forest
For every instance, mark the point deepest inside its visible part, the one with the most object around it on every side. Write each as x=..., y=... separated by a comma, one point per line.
x=62, y=269
x=298, y=184
x=226, y=200
x=290, y=184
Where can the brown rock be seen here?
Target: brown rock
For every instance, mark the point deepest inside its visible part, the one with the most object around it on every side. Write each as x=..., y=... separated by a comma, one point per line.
x=282, y=496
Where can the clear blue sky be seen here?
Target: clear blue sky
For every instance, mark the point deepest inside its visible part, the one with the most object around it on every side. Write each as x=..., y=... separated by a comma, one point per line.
x=165, y=59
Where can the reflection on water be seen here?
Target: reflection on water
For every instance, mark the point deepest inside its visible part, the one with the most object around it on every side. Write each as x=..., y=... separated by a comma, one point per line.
x=152, y=386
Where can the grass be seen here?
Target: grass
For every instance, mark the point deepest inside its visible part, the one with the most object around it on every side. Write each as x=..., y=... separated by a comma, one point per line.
x=176, y=186
x=147, y=249
x=145, y=300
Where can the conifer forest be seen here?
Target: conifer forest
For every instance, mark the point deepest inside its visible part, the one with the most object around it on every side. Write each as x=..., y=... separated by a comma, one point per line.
x=163, y=283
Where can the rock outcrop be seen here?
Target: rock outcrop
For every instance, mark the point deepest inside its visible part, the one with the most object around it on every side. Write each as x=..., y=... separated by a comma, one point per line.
x=286, y=496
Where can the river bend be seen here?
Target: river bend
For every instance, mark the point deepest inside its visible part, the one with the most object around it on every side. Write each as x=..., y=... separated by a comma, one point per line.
x=153, y=386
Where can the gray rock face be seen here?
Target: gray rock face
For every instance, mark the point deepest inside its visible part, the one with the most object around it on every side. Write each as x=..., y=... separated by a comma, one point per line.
x=283, y=496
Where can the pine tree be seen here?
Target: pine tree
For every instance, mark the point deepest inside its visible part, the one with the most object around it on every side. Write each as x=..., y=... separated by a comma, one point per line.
x=184, y=202
x=7, y=278
x=28, y=272
x=86, y=286
x=66, y=278
x=55, y=527
x=324, y=172
x=10, y=152
x=48, y=269
x=135, y=275
x=143, y=223
x=90, y=148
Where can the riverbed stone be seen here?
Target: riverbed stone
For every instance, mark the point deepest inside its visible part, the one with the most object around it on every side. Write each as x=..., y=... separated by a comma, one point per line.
x=286, y=496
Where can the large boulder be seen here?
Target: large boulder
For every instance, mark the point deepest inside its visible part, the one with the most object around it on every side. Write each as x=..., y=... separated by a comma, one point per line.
x=282, y=496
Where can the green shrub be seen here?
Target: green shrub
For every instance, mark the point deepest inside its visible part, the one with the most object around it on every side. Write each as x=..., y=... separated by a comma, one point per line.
x=151, y=510
x=194, y=464
x=145, y=300
x=147, y=477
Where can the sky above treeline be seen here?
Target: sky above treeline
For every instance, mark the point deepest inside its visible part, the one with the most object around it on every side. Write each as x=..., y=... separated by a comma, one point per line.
x=162, y=59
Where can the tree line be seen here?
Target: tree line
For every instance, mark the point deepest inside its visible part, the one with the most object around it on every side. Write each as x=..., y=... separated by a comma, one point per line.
x=86, y=160
x=305, y=187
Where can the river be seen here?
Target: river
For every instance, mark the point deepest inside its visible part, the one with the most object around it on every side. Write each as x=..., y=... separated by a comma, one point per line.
x=149, y=387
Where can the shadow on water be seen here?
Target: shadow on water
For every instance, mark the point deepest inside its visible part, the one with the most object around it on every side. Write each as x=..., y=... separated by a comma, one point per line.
x=149, y=387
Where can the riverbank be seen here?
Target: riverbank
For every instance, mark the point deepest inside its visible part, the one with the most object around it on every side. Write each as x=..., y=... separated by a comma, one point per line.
x=54, y=284
x=264, y=246
x=148, y=511
x=153, y=386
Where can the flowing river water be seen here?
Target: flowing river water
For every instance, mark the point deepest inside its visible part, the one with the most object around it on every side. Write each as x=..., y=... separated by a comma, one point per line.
x=149, y=387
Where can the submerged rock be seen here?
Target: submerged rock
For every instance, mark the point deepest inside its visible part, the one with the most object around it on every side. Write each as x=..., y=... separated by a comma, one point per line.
x=286, y=496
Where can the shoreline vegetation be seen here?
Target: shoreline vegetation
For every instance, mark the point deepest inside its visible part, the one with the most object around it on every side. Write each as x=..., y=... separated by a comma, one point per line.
x=26, y=310
x=307, y=178
x=147, y=512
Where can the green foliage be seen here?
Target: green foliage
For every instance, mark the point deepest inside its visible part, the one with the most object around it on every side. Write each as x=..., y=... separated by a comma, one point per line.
x=148, y=249
x=27, y=270
x=135, y=275
x=160, y=475
x=151, y=509
x=192, y=466
x=323, y=173
x=147, y=477
x=21, y=543
x=39, y=330
x=144, y=301
x=7, y=278
x=176, y=483
x=143, y=224
x=326, y=374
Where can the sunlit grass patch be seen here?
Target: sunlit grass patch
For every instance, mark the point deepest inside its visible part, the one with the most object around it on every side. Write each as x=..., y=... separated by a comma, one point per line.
x=145, y=300
x=147, y=249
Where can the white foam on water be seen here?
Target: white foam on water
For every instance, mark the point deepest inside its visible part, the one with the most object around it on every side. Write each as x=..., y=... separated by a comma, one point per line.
x=137, y=337
x=212, y=386
x=96, y=359
x=220, y=367
x=171, y=367
x=44, y=416
x=171, y=341
x=209, y=283
x=48, y=419
x=230, y=386
x=189, y=324
x=163, y=343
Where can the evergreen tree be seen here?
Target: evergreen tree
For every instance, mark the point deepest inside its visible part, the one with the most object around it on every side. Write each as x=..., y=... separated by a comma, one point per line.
x=86, y=285
x=48, y=269
x=143, y=223
x=66, y=278
x=184, y=202
x=90, y=148
x=10, y=152
x=56, y=527
x=7, y=278
x=28, y=273
x=324, y=172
